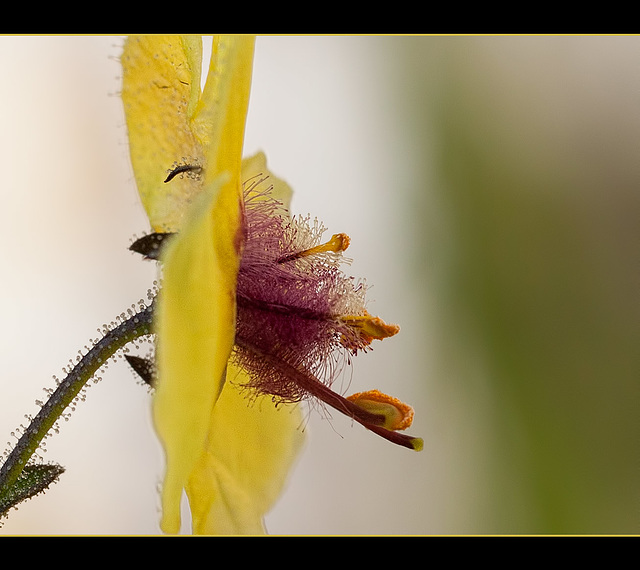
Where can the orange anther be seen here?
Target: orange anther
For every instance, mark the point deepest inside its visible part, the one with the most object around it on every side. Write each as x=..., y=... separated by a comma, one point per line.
x=398, y=414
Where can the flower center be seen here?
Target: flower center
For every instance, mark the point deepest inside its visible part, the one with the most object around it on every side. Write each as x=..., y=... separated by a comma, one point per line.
x=299, y=315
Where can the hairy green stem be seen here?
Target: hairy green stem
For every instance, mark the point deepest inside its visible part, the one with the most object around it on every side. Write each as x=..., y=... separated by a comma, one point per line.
x=135, y=326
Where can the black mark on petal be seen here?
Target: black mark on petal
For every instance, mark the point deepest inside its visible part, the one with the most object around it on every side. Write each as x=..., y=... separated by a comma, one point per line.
x=181, y=169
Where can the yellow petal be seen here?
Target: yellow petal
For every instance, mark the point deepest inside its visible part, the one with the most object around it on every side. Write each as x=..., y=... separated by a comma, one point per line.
x=220, y=116
x=195, y=317
x=170, y=123
x=258, y=178
x=219, y=123
x=252, y=446
x=195, y=326
x=160, y=93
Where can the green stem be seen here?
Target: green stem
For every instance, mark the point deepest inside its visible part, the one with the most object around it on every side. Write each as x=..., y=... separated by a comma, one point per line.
x=135, y=326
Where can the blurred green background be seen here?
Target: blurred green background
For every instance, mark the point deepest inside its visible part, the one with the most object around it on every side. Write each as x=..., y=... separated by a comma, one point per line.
x=490, y=188
x=534, y=149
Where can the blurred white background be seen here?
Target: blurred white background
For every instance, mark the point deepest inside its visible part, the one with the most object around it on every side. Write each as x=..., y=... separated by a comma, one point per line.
x=489, y=185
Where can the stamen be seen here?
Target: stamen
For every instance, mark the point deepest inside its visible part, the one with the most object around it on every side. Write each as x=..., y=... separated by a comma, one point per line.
x=337, y=243
x=374, y=421
x=295, y=320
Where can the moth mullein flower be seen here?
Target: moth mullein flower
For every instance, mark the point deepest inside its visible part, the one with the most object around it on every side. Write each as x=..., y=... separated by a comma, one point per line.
x=253, y=308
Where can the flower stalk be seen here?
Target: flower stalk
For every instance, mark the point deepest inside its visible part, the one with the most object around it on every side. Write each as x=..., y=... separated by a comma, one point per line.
x=137, y=325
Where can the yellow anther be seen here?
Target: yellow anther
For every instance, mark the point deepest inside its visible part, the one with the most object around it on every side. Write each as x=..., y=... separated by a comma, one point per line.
x=398, y=415
x=370, y=327
x=337, y=243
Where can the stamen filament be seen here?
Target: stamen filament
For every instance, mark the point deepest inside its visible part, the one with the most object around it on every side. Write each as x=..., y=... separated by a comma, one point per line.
x=262, y=305
x=317, y=389
x=135, y=326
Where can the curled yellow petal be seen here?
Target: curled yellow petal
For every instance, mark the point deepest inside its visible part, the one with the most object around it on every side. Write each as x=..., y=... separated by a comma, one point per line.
x=195, y=320
x=195, y=326
x=160, y=93
x=252, y=448
x=220, y=116
x=171, y=123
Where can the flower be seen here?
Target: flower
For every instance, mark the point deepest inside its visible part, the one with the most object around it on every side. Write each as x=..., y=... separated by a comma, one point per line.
x=252, y=306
